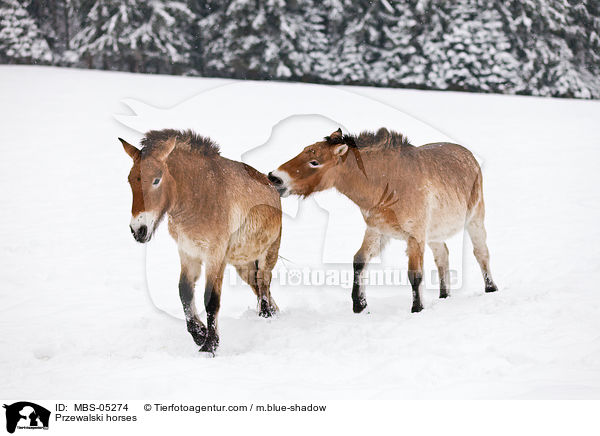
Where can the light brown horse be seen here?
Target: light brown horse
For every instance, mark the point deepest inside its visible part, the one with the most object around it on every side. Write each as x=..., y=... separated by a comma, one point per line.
x=220, y=211
x=423, y=195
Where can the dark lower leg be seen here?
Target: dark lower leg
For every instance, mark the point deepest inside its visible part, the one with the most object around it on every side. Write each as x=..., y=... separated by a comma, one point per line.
x=212, y=298
x=440, y=255
x=482, y=256
x=194, y=325
x=415, y=278
x=490, y=286
x=443, y=288
x=372, y=245
x=415, y=251
x=263, y=279
x=483, y=260
x=267, y=266
x=359, y=300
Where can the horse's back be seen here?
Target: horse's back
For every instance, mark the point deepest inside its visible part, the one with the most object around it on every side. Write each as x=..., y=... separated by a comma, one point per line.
x=452, y=156
x=449, y=166
x=252, y=187
x=256, y=223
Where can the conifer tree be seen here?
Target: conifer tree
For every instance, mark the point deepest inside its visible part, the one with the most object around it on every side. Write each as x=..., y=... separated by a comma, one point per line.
x=136, y=35
x=21, y=41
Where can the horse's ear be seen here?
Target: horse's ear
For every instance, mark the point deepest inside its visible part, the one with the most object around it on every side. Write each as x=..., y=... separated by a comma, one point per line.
x=340, y=150
x=336, y=134
x=165, y=149
x=133, y=152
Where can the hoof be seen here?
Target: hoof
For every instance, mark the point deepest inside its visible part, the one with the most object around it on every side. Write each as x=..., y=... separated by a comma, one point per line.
x=416, y=308
x=267, y=313
x=359, y=305
x=198, y=332
x=444, y=294
x=266, y=310
x=491, y=288
x=210, y=346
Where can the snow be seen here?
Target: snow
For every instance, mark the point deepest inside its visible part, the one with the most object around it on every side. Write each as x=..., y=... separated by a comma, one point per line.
x=81, y=319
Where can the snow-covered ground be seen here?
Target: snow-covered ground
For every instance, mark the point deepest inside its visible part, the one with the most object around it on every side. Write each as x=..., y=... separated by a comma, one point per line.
x=82, y=319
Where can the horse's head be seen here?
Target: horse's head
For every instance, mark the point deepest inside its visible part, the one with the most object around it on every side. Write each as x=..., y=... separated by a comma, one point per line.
x=310, y=171
x=152, y=186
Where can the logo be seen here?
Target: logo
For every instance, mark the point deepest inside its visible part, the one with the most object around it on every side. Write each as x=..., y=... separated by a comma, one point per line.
x=26, y=415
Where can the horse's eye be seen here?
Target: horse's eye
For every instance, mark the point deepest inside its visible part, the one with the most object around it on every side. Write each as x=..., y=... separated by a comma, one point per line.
x=314, y=163
x=156, y=181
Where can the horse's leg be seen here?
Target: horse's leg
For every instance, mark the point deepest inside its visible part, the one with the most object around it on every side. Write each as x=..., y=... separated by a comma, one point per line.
x=478, y=237
x=440, y=255
x=190, y=271
x=212, y=302
x=372, y=245
x=415, y=250
x=247, y=272
x=266, y=263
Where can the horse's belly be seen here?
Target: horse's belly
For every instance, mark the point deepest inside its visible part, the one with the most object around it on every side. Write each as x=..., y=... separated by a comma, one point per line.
x=444, y=227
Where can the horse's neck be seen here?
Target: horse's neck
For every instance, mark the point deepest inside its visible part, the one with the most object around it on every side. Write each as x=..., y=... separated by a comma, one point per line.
x=194, y=178
x=354, y=184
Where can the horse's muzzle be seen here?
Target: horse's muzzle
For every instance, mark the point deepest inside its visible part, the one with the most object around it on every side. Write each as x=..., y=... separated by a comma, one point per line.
x=276, y=181
x=141, y=234
x=278, y=184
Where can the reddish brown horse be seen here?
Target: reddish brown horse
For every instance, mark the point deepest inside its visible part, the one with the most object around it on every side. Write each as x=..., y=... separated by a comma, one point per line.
x=423, y=195
x=220, y=211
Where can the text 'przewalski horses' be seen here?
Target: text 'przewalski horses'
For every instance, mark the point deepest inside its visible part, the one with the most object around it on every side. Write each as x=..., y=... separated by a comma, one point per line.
x=220, y=211
x=423, y=195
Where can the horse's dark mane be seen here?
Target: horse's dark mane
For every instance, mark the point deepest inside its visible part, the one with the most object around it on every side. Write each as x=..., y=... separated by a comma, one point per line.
x=185, y=140
x=381, y=140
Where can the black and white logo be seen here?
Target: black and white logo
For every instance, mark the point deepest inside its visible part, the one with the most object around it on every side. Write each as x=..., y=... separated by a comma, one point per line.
x=26, y=415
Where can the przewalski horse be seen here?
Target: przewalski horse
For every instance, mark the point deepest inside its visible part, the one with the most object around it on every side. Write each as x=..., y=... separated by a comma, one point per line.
x=220, y=211
x=423, y=195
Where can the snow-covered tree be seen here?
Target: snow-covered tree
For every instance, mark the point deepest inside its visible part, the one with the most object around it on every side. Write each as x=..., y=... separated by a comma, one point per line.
x=57, y=21
x=540, y=47
x=240, y=40
x=351, y=45
x=466, y=49
x=305, y=46
x=20, y=38
x=136, y=35
x=201, y=9
x=398, y=57
x=554, y=41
